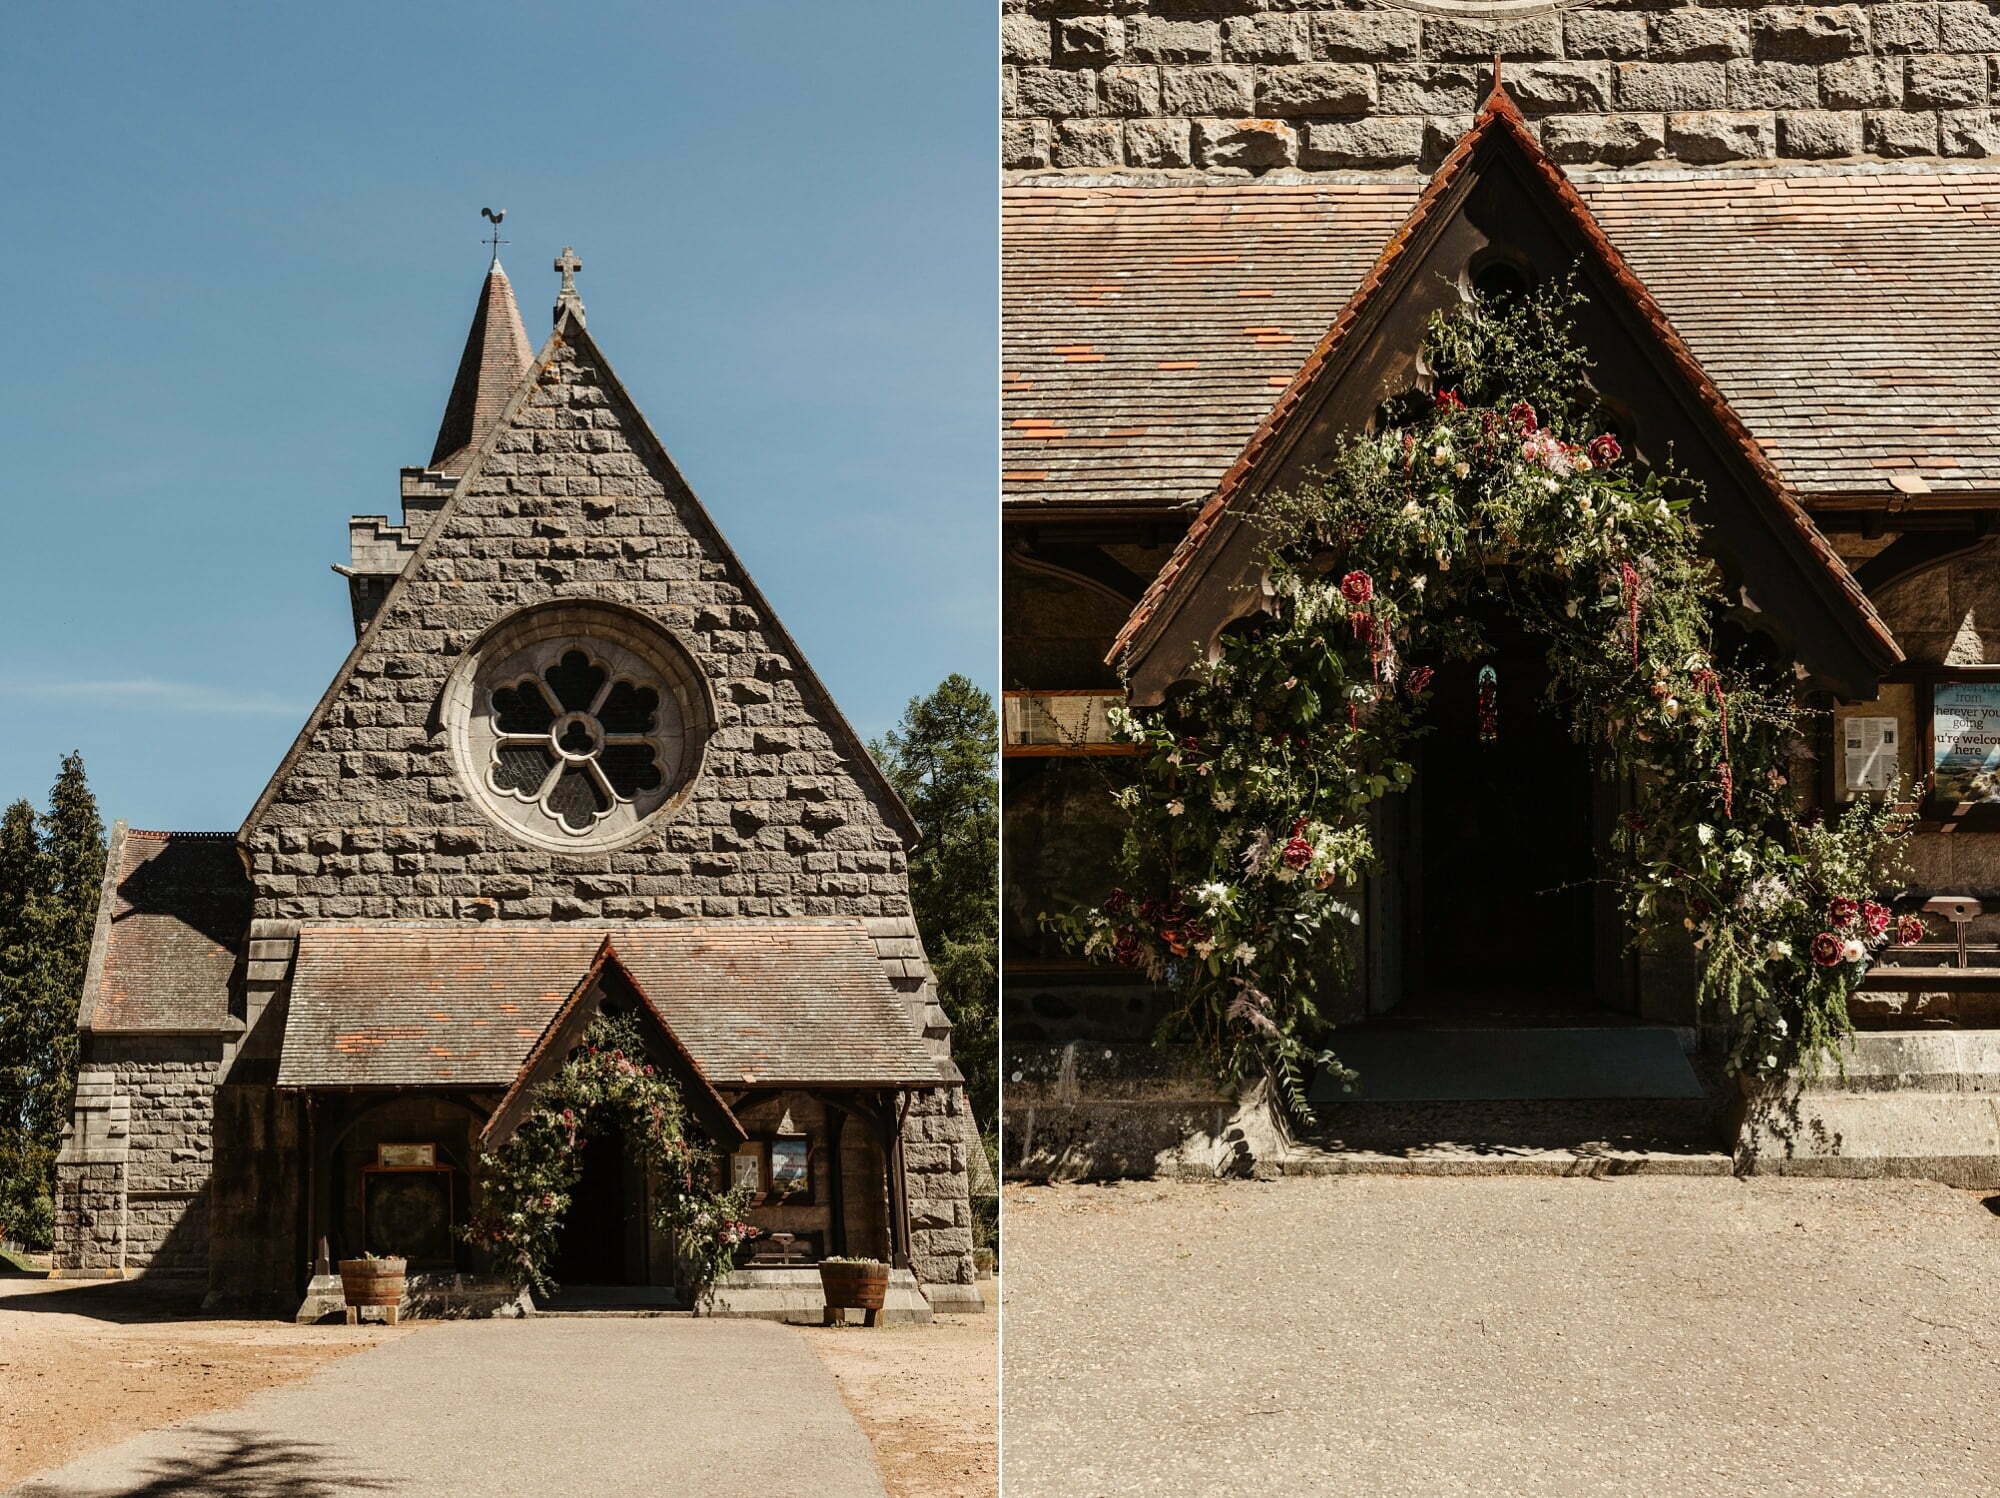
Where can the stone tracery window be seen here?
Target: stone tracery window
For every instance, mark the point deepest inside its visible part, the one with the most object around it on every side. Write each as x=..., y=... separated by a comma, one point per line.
x=575, y=741
x=577, y=723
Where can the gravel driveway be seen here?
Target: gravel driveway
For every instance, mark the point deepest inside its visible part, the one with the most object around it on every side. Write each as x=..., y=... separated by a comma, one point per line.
x=499, y=1409
x=1378, y=1336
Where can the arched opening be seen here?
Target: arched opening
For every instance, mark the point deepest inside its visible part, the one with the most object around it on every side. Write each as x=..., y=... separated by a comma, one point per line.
x=602, y=1240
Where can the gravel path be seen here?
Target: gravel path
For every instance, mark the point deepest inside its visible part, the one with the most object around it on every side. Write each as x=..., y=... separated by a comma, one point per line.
x=1384, y=1336
x=557, y=1407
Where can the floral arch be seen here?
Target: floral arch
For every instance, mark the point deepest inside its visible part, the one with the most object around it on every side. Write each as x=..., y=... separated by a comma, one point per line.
x=1248, y=832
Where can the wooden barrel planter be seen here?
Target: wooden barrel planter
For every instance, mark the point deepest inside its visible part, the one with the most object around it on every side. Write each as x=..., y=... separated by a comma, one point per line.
x=373, y=1282
x=857, y=1284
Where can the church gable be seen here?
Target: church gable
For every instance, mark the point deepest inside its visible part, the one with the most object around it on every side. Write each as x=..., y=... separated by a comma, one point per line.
x=575, y=703
x=1498, y=204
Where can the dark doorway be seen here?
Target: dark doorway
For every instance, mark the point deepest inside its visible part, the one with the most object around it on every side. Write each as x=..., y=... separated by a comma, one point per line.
x=1500, y=923
x=592, y=1246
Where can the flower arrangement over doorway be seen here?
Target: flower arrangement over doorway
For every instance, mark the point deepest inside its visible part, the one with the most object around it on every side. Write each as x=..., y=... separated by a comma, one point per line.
x=1248, y=823
x=525, y=1184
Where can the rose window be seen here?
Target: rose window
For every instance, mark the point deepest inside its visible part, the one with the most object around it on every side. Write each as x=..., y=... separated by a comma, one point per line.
x=576, y=723
x=575, y=740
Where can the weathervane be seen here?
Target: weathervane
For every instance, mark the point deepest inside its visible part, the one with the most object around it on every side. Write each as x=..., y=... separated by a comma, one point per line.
x=496, y=241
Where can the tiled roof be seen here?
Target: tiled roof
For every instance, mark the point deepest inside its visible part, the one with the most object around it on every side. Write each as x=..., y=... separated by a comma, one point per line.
x=1500, y=128
x=175, y=911
x=763, y=1002
x=497, y=354
x=1847, y=316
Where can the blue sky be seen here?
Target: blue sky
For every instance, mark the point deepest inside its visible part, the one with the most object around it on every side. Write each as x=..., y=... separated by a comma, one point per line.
x=245, y=252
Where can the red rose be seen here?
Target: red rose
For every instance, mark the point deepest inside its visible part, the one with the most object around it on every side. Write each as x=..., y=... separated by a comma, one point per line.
x=1523, y=416
x=1875, y=918
x=1298, y=853
x=1826, y=949
x=1604, y=450
x=1357, y=588
x=1126, y=952
x=1842, y=912
x=1910, y=930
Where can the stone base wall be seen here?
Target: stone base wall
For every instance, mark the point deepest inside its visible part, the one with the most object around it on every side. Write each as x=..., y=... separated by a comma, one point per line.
x=937, y=1168
x=1237, y=87
x=132, y=1182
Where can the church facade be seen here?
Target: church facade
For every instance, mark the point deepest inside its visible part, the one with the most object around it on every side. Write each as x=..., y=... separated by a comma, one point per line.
x=1226, y=228
x=572, y=763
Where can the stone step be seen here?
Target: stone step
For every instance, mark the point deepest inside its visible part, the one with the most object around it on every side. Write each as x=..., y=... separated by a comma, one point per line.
x=1951, y=1137
x=1964, y=1061
x=1453, y=1160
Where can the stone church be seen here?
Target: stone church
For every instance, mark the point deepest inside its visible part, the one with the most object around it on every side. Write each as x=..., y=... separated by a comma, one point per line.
x=573, y=761
x=1225, y=228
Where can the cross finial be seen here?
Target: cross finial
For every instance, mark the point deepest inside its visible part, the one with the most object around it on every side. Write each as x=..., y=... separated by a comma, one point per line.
x=494, y=216
x=569, y=265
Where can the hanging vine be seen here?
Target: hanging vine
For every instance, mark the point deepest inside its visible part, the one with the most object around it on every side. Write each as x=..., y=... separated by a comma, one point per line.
x=525, y=1184
x=1248, y=823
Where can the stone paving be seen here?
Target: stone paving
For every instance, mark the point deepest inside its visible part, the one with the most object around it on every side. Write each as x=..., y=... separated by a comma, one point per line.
x=486, y=1409
x=1384, y=1335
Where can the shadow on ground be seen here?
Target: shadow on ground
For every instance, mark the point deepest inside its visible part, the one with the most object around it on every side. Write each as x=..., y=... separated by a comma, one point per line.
x=233, y=1466
x=128, y=1302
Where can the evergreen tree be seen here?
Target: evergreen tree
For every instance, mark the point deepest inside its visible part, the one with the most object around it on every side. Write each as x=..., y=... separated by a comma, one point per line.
x=942, y=758
x=51, y=869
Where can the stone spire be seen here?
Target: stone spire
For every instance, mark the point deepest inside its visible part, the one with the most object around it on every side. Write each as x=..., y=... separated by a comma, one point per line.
x=497, y=354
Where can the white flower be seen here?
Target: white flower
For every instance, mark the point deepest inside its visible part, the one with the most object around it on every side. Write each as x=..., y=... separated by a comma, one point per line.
x=1174, y=808
x=1777, y=951
x=1215, y=894
x=1204, y=949
x=1585, y=505
x=1222, y=801
x=1244, y=952
x=1705, y=832
x=1461, y=469
x=1582, y=463
x=1420, y=581
x=1410, y=509
x=1440, y=455
x=1852, y=950
x=1671, y=707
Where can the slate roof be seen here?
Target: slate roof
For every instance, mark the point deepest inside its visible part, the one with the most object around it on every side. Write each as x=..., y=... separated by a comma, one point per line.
x=497, y=354
x=1498, y=128
x=1847, y=316
x=755, y=1002
x=170, y=925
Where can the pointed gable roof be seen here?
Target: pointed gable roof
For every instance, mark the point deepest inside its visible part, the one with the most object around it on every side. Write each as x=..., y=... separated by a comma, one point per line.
x=497, y=354
x=570, y=333
x=1773, y=534
x=609, y=978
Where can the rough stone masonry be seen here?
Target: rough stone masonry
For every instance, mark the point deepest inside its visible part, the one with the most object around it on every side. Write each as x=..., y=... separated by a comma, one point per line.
x=1234, y=88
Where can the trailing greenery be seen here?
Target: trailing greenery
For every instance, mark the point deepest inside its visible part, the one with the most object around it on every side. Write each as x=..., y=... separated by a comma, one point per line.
x=525, y=1184
x=1248, y=828
x=942, y=760
x=51, y=870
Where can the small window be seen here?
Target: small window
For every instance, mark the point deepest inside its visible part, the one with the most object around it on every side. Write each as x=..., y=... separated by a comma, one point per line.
x=1501, y=280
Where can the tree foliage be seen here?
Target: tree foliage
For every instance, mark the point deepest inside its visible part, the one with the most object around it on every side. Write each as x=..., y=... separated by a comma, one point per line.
x=942, y=758
x=51, y=869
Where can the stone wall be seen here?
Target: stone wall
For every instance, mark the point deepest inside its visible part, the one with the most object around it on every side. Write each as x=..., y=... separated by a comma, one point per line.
x=936, y=1167
x=372, y=821
x=132, y=1182
x=1247, y=86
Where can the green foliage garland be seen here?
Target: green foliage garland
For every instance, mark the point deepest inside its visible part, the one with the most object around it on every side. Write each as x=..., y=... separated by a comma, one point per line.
x=525, y=1184
x=1248, y=825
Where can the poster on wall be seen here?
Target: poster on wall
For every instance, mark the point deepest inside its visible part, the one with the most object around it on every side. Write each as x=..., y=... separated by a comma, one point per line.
x=1965, y=727
x=1871, y=762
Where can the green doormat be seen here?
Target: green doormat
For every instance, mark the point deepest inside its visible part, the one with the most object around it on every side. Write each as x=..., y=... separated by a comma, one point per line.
x=1466, y=1066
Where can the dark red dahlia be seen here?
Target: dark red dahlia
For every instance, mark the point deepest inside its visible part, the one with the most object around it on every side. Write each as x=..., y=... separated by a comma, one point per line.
x=1910, y=930
x=1298, y=853
x=1604, y=450
x=1826, y=949
x=1357, y=588
x=1522, y=415
x=1842, y=912
x=1126, y=951
x=1116, y=902
x=1875, y=917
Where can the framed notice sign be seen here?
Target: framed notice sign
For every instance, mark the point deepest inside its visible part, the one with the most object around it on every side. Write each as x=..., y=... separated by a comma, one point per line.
x=1965, y=742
